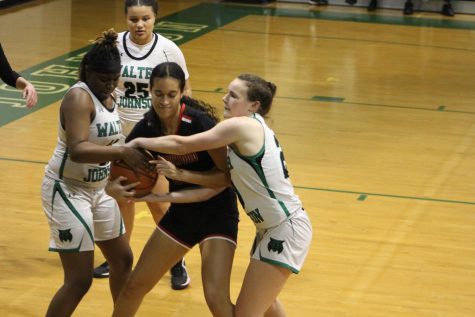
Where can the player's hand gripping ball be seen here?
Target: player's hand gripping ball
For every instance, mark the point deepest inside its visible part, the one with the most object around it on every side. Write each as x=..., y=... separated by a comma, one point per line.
x=147, y=180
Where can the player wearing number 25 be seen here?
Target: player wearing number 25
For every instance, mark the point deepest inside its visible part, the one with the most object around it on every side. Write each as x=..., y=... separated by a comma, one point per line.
x=259, y=174
x=141, y=49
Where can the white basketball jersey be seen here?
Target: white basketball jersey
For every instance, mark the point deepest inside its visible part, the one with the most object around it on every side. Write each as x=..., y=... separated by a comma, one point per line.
x=105, y=129
x=262, y=182
x=138, y=61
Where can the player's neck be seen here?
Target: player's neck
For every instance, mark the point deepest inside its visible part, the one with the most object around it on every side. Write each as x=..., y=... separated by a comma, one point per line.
x=169, y=125
x=140, y=41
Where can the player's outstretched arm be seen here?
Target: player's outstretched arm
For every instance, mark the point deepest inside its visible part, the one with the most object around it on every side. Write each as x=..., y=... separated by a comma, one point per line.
x=183, y=196
x=224, y=133
x=211, y=178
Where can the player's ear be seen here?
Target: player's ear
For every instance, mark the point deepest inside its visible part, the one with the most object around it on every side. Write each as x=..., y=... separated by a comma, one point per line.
x=256, y=105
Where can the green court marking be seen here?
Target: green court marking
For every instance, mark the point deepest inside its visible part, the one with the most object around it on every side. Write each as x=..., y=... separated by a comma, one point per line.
x=52, y=78
x=328, y=99
x=346, y=39
x=388, y=195
x=362, y=197
x=404, y=107
x=359, y=17
x=313, y=99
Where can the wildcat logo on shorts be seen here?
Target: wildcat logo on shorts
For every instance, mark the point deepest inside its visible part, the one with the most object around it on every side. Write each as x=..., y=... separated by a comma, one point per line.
x=65, y=235
x=275, y=245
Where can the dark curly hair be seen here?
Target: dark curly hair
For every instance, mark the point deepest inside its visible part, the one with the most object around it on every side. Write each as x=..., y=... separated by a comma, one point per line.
x=102, y=57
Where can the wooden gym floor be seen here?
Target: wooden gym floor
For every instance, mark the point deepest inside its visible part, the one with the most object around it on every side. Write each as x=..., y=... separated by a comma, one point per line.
x=376, y=116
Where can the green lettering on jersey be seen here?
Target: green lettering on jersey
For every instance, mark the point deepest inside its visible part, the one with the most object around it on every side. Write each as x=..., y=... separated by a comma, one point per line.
x=255, y=216
x=108, y=129
x=128, y=72
x=125, y=71
x=97, y=174
x=148, y=72
x=135, y=103
x=102, y=129
x=141, y=70
x=131, y=74
x=114, y=128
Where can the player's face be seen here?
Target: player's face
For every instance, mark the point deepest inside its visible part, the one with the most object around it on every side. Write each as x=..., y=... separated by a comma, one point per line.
x=140, y=21
x=166, y=96
x=236, y=102
x=102, y=85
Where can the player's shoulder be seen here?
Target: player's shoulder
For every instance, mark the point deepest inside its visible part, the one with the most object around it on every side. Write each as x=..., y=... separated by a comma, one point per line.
x=77, y=98
x=120, y=36
x=197, y=120
x=191, y=115
x=166, y=43
x=240, y=124
x=78, y=90
x=190, y=111
x=242, y=120
x=164, y=39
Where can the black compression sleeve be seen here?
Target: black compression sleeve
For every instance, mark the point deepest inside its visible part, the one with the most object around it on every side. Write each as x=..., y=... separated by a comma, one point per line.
x=7, y=74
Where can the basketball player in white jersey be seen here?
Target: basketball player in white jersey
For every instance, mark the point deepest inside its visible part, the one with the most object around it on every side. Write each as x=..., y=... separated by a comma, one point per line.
x=79, y=212
x=141, y=49
x=259, y=174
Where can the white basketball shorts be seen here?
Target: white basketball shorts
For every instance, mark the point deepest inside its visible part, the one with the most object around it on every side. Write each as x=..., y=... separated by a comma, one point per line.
x=285, y=245
x=78, y=216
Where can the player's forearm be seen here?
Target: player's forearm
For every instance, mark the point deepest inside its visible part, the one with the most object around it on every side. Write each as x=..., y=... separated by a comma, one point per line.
x=212, y=178
x=184, y=196
x=170, y=144
x=21, y=83
x=87, y=152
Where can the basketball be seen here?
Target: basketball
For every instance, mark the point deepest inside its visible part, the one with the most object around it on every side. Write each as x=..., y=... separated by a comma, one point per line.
x=147, y=181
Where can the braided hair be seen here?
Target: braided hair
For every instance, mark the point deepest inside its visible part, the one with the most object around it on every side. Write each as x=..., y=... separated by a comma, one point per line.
x=103, y=57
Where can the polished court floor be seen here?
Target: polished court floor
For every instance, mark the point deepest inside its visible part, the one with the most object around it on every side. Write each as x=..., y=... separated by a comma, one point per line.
x=375, y=113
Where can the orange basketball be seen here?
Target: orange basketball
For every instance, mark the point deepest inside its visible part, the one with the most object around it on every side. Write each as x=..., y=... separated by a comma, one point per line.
x=147, y=181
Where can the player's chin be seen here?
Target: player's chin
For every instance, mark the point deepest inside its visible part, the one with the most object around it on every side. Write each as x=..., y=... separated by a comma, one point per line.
x=104, y=95
x=227, y=114
x=141, y=35
x=165, y=112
